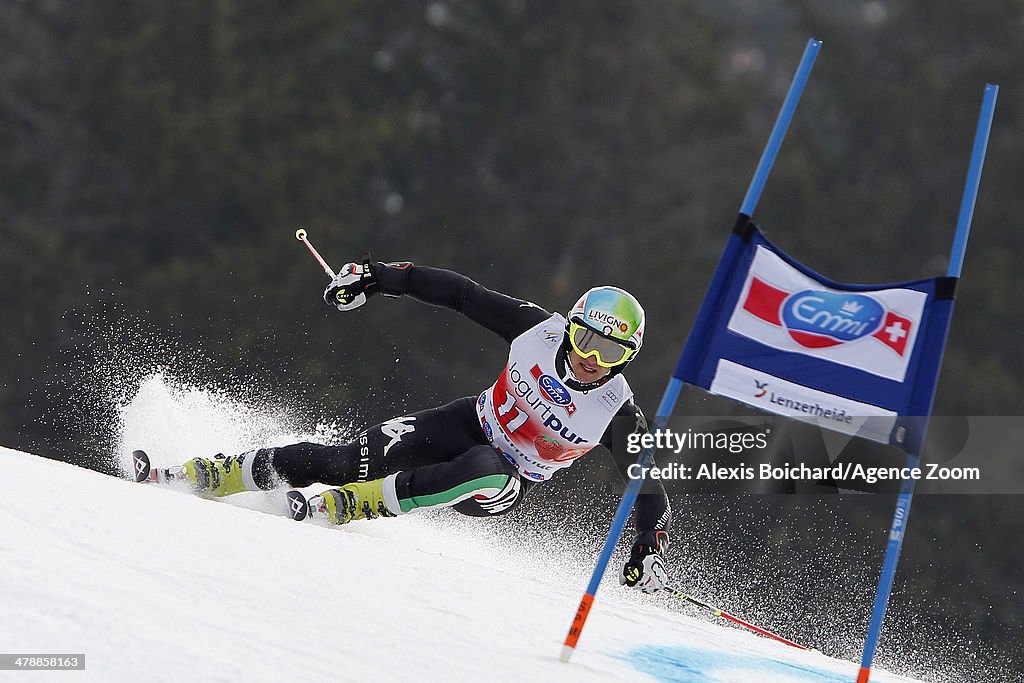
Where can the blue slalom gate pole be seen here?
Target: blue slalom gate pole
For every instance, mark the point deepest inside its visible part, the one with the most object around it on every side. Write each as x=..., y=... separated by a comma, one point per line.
x=771, y=150
x=668, y=400
x=963, y=224
x=906, y=495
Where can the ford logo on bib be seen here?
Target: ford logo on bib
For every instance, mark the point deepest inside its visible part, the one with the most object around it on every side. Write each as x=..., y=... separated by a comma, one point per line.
x=817, y=318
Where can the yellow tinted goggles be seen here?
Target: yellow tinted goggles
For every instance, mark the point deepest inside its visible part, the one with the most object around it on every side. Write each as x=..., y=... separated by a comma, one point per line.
x=608, y=352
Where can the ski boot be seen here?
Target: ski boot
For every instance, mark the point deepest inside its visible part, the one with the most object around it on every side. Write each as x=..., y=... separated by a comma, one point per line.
x=360, y=500
x=217, y=476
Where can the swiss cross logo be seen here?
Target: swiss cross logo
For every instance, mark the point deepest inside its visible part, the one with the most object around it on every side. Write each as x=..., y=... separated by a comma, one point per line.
x=818, y=319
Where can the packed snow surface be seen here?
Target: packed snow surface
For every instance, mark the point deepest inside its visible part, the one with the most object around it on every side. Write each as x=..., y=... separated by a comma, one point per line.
x=154, y=584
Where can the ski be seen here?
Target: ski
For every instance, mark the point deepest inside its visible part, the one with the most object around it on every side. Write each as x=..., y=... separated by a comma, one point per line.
x=146, y=473
x=299, y=507
x=302, y=508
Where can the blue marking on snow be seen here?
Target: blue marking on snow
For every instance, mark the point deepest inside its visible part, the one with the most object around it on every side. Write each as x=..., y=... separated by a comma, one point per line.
x=680, y=664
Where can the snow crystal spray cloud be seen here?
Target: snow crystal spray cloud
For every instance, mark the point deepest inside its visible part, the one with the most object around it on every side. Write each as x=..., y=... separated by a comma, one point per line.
x=173, y=421
x=123, y=384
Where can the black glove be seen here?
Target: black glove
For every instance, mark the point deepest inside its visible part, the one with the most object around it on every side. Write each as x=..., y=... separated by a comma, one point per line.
x=645, y=569
x=352, y=286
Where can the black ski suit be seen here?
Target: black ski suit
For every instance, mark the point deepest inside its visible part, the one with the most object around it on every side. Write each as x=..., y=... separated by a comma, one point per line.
x=441, y=455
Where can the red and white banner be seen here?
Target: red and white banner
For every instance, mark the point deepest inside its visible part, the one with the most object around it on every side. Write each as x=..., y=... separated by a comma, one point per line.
x=873, y=330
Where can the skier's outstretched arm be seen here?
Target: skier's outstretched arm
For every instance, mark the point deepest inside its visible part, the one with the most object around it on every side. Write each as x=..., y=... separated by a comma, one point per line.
x=652, y=514
x=500, y=313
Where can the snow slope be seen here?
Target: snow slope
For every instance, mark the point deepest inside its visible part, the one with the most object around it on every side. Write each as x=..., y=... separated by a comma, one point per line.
x=153, y=584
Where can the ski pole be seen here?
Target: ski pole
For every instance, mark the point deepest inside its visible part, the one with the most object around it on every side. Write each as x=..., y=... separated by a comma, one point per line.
x=300, y=235
x=736, y=620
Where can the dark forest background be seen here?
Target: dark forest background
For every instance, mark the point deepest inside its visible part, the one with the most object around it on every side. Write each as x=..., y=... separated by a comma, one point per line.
x=158, y=157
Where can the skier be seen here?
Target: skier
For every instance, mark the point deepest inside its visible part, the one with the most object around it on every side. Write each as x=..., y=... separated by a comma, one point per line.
x=552, y=403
